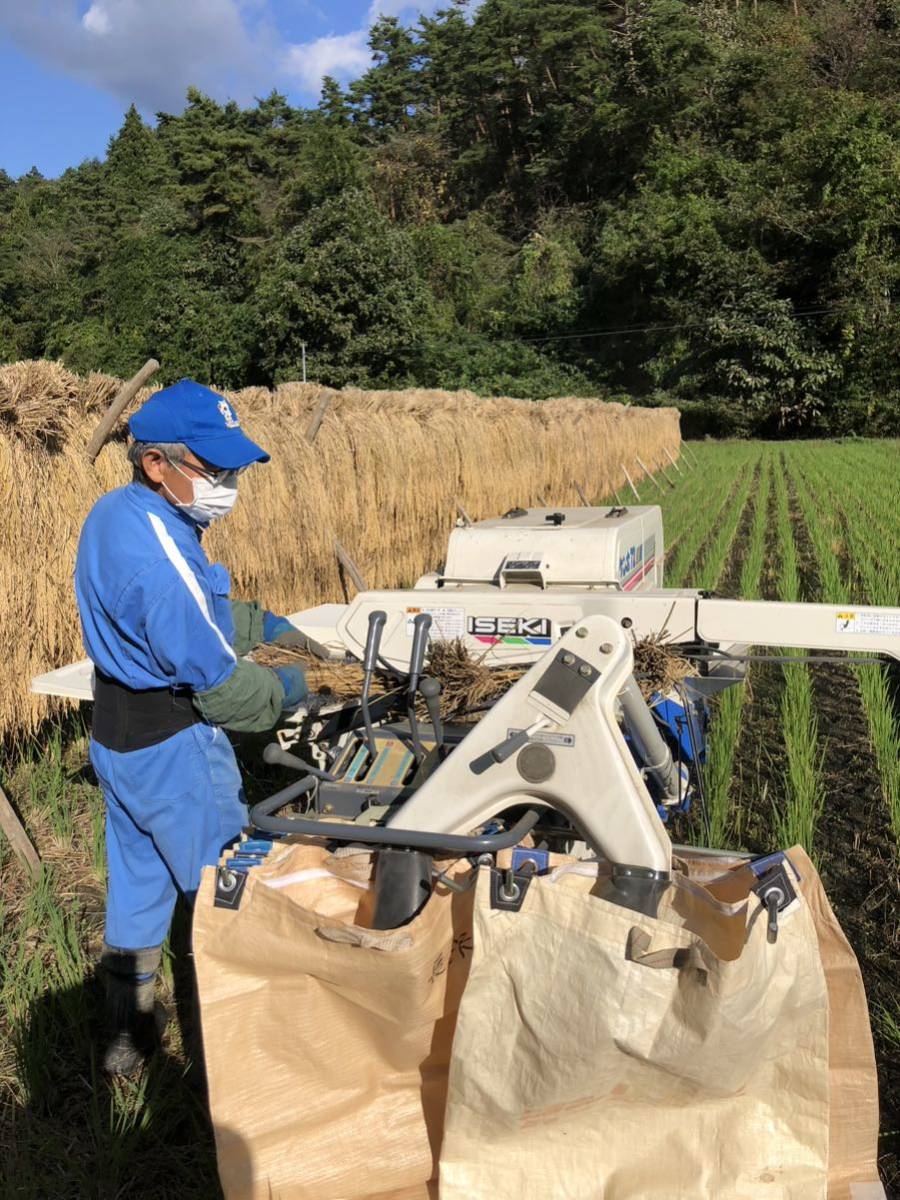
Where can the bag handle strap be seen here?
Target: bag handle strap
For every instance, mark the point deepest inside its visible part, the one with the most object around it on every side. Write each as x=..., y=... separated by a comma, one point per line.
x=637, y=950
x=352, y=935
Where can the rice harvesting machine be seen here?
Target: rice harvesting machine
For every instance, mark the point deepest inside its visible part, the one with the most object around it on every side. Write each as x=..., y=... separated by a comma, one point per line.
x=575, y=757
x=573, y=749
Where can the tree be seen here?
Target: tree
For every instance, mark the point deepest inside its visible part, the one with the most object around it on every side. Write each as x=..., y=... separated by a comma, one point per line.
x=334, y=105
x=386, y=97
x=344, y=281
x=691, y=200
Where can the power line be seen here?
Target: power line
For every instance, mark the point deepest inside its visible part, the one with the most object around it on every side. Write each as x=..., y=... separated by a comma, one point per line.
x=626, y=330
x=619, y=330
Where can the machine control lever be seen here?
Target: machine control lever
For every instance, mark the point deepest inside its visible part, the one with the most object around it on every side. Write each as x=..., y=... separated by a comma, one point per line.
x=276, y=757
x=377, y=620
x=506, y=749
x=421, y=629
x=431, y=694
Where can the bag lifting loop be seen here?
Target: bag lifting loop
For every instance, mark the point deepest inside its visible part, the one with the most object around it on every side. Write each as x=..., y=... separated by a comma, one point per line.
x=677, y=957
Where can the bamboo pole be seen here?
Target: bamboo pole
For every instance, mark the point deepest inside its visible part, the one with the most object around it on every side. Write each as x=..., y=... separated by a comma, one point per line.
x=671, y=459
x=23, y=848
x=117, y=407
x=581, y=496
x=318, y=416
x=350, y=568
x=631, y=483
x=665, y=475
x=461, y=510
x=649, y=473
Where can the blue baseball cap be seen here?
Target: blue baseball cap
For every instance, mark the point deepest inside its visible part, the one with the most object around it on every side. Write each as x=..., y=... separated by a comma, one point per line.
x=203, y=420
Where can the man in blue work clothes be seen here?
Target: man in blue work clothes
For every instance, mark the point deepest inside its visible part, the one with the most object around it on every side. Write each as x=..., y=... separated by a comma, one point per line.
x=167, y=644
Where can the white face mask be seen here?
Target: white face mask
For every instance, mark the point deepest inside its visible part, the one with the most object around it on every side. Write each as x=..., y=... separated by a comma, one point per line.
x=211, y=500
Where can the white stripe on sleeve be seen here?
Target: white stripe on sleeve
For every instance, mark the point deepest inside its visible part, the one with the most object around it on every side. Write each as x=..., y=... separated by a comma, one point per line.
x=179, y=562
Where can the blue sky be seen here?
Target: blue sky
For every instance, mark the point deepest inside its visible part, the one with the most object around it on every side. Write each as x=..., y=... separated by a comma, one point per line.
x=70, y=68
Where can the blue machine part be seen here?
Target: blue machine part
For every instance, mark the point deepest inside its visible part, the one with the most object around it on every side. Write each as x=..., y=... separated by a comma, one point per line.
x=674, y=721
x=526, y=854
x=673, y=716
x=249, y=853
x=254, y=846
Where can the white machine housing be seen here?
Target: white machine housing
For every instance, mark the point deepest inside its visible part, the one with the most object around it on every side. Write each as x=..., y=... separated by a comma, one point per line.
x=618, y=548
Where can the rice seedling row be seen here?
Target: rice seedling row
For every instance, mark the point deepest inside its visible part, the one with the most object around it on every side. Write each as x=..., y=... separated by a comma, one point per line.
x=857, y=840
x=797, y=812
x=844, y=527
x=726, y=726
x=722, y=496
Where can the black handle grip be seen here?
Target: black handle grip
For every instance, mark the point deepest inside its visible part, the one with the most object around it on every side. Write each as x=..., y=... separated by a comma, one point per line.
x=377, y=621
x=380, y=835
x=430, y=690
x=421, y=629
x=506, y=749
x=276, y=757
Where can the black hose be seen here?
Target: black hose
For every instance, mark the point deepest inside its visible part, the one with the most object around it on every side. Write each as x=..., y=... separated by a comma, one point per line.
x=380, y=835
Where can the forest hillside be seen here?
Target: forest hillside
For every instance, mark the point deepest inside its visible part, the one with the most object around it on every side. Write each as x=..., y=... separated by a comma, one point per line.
x=683, y=202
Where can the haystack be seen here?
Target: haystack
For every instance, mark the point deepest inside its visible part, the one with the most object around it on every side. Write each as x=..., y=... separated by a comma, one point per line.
x=382, y=476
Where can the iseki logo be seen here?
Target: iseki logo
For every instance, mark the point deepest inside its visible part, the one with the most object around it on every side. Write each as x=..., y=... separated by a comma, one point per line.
x=511, y=626
x=228, y=415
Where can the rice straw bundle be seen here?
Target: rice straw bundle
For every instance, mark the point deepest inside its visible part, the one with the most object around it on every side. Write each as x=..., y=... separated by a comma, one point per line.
x=333, y=679
x=658, y=666
x=467, y=682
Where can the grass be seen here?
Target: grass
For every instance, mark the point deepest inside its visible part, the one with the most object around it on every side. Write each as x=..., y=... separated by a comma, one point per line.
x=66, y=1131
x=726, y=726
x=842, y=531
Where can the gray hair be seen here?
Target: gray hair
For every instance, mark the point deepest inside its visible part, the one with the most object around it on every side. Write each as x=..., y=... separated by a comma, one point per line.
x=174, y=451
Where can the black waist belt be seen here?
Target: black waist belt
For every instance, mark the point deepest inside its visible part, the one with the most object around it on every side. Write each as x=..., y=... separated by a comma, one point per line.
x=128, y=720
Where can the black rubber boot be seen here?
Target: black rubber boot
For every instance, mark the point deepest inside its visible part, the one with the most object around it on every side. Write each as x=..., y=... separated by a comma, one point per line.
x=134, y=1019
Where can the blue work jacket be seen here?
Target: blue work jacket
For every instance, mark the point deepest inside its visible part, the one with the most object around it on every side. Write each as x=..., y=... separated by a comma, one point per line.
x=154, y=611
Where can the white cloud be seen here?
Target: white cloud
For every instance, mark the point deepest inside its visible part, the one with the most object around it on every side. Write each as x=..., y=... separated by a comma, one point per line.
x=400, y=8
x=151, y=51
x=343, y=55
x=346, y=55
x=96, y=19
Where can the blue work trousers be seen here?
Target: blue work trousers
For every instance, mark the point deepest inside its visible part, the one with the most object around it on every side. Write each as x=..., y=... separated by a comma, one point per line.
x=170, y=811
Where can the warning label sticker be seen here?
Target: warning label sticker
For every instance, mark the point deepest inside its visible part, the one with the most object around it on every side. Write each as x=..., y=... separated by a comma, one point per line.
x=447, y=624
x=880, y=622
x=546, y=739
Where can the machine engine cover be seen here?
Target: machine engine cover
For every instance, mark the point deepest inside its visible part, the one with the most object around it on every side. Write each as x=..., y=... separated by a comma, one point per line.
x=603, y=547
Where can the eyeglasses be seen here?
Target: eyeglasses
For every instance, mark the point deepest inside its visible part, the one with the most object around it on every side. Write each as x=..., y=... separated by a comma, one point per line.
x=216, y=476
